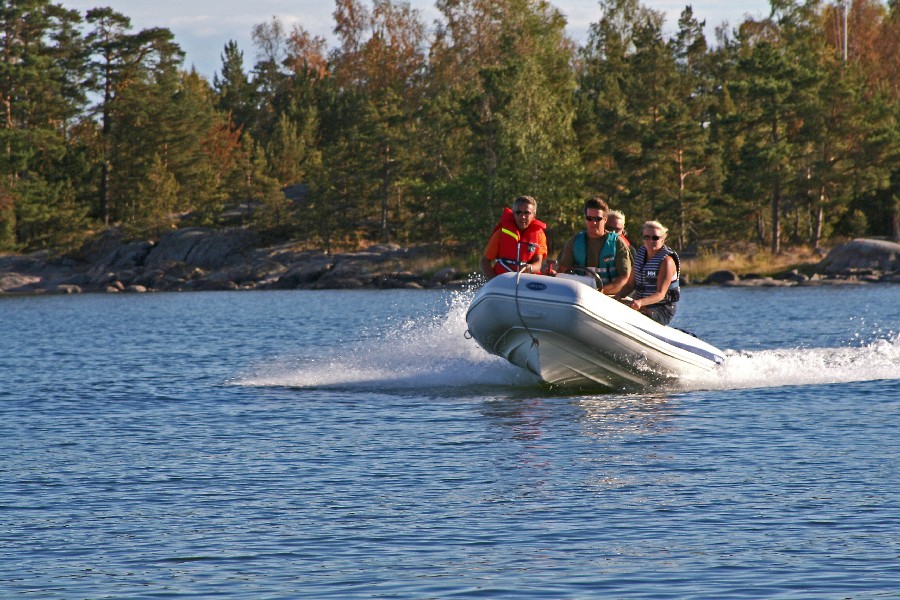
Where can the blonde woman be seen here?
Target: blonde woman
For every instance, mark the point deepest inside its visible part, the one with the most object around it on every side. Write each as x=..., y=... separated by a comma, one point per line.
x=653, y=283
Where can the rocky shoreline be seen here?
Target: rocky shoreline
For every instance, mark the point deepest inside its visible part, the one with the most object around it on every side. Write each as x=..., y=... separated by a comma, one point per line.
x=860, y=261
x=196, y=259
x=200, y=259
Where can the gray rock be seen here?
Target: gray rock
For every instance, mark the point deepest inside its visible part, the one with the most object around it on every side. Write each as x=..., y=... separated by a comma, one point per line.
x=880, y=255
x=445, y=275
x=12, y=282
x=197, y=258
x=385, y=248
x=202, y=248
x=79, y=279
x=832, y=281
x=261, y=272
x=149, y=278
x=265, y=274
x=67, y=289
x=364, y=267
x=215, y=283
x=338, y=283
x=795, y=275
x=96, y=251
x=721, y=277
x=759, y=282
x=127, y=256
x=101, y=277
x=304, y=273
x=396, y=281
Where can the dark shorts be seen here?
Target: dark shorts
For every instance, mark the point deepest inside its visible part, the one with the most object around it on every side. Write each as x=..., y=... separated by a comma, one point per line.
x=661, y=313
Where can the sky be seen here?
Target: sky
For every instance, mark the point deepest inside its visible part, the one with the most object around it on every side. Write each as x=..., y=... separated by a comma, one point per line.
x=203, y=27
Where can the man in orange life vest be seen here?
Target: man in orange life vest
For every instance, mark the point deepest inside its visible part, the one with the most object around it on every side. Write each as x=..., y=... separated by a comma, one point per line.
x=593, y=247
x=518, y=242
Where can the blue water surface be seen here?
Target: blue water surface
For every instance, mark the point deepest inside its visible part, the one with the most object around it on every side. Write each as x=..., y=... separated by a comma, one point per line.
x=354, y=444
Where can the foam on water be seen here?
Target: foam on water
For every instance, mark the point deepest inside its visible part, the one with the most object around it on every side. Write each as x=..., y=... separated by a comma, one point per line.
x=879, y=359
x=415, y=355
x=435, y=354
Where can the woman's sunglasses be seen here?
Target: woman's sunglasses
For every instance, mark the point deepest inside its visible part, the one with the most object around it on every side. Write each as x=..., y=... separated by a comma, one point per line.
x=655, y=238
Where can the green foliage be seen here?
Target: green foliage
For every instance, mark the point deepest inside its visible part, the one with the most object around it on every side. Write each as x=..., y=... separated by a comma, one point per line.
x=854, y=224
x=158, y=195
x=8, y=242
x=392, y=136
x=48, y=217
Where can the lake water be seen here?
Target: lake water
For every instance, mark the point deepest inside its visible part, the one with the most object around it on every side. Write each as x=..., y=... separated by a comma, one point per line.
x=353, y=444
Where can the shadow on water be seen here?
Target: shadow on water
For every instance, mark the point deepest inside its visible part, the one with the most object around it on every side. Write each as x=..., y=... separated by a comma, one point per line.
x=598, y=415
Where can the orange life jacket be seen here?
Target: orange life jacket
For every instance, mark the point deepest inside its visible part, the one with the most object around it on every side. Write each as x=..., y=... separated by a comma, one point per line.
x=515, y=244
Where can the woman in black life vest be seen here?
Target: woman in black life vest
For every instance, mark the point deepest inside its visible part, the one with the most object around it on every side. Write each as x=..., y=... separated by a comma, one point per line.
x=653, y=283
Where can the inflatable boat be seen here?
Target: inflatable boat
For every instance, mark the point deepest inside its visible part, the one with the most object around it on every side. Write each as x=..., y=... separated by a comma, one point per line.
x=569, y=334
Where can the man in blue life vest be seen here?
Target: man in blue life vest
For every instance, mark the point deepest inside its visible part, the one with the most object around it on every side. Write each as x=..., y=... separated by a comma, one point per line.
x=518, y=242
x=606, y=253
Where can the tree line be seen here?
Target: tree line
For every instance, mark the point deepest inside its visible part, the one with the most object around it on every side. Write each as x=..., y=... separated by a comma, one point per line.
x=783, y=131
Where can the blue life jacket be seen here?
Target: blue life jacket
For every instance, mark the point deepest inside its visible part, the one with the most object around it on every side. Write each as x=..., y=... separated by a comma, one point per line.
x=606, y=261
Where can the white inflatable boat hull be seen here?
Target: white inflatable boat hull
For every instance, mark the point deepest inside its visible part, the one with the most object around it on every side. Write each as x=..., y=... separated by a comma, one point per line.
x=569, y=334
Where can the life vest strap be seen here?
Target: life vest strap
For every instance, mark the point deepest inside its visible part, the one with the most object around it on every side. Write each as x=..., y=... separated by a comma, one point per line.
x=512, y=234
x=510, y=265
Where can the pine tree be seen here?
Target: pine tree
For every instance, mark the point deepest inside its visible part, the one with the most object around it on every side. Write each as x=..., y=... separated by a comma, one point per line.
x=614, y=107
x=121, y=63
x=156, y=213
x=40, y=70
x=235, y=94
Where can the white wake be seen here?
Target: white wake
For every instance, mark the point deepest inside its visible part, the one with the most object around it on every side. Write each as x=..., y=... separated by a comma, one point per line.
x=416, y=355
x=879, y=359
x=437, y=356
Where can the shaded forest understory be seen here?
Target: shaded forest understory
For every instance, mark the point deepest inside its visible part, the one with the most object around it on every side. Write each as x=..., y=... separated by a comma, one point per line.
x=782, y=131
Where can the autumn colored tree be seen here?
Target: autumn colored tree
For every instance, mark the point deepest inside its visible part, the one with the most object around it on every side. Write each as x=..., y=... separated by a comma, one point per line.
x=771, y=135
x=503, y=70
x=378, y=68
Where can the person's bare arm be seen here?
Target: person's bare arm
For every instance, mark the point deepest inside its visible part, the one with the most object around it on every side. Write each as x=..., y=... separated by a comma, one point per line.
x=486, y=268
x=666, y=273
